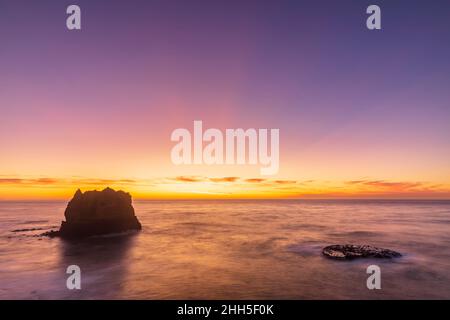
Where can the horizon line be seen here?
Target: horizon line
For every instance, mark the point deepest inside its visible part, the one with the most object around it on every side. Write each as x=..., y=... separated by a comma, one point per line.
x=245, y=199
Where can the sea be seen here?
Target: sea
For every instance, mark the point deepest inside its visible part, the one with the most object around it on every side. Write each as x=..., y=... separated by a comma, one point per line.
x=231, y=249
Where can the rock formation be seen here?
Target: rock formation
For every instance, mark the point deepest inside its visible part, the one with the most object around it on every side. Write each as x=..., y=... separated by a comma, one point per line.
x=349, y=251
x=97, y=213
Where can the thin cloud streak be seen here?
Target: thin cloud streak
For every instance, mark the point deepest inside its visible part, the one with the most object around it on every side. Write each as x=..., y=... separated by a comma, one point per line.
x=391, y=185
x=224, y=179
x=228, y=185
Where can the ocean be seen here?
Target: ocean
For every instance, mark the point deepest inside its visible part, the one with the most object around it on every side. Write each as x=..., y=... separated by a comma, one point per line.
x=231, y=249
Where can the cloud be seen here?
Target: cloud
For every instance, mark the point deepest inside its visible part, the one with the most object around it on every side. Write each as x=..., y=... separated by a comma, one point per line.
x=224, y=179
x=233, y=179
x=363, y=187
x=104, y=181
x=81, y=181
x=305, y=182
x=10, y=181
x=189, y=179
x=355, y=182
x=255, y=180
x=46, y=181
x=38, y=181
x=390, y=185
x=285, y=181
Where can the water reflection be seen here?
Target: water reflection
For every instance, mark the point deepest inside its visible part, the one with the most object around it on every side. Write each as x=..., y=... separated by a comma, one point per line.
x=103, y=263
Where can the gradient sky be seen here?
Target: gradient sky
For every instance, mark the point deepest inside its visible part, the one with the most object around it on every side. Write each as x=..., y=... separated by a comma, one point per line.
x=361, y=113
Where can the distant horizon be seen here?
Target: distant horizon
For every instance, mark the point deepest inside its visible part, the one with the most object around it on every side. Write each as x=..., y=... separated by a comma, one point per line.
x=249, y=199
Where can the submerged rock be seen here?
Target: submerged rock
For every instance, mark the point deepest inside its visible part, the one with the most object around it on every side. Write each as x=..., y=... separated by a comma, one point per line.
x=97, y=213
x=350, y=251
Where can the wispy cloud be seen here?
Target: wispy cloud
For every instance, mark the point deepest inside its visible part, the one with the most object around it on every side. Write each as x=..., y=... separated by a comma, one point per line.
x=189, y=179
x=105, y=181
x=255, y=180
x=228, y=185
x=224, y=179
x=394, y=185
x=10, y=181
x=47, y=181
x=38, y=181
x=285, y=181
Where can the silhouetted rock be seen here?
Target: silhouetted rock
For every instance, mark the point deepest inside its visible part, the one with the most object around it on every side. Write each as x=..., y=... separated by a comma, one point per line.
x=97, y=213
x=349, y=251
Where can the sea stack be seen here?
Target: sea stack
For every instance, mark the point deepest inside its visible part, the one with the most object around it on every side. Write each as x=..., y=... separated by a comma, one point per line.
x=98, y=213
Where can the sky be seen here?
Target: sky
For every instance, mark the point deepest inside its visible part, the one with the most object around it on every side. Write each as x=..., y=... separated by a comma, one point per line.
x=361, y=113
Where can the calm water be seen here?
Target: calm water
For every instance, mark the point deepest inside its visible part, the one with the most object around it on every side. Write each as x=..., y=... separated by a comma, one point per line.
x=231, y=249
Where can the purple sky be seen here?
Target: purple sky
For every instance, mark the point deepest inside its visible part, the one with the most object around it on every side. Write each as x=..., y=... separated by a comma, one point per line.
x=349, y=102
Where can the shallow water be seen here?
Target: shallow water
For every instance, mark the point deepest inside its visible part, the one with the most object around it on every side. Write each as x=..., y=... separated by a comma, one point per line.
x=231, y=250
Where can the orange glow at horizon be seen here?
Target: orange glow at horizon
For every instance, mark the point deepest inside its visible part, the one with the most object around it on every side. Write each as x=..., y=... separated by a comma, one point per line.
x=230, y=187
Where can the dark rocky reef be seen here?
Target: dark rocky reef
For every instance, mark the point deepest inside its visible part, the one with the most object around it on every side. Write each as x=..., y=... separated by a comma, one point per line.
x=349, y=251
x=97, y=213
